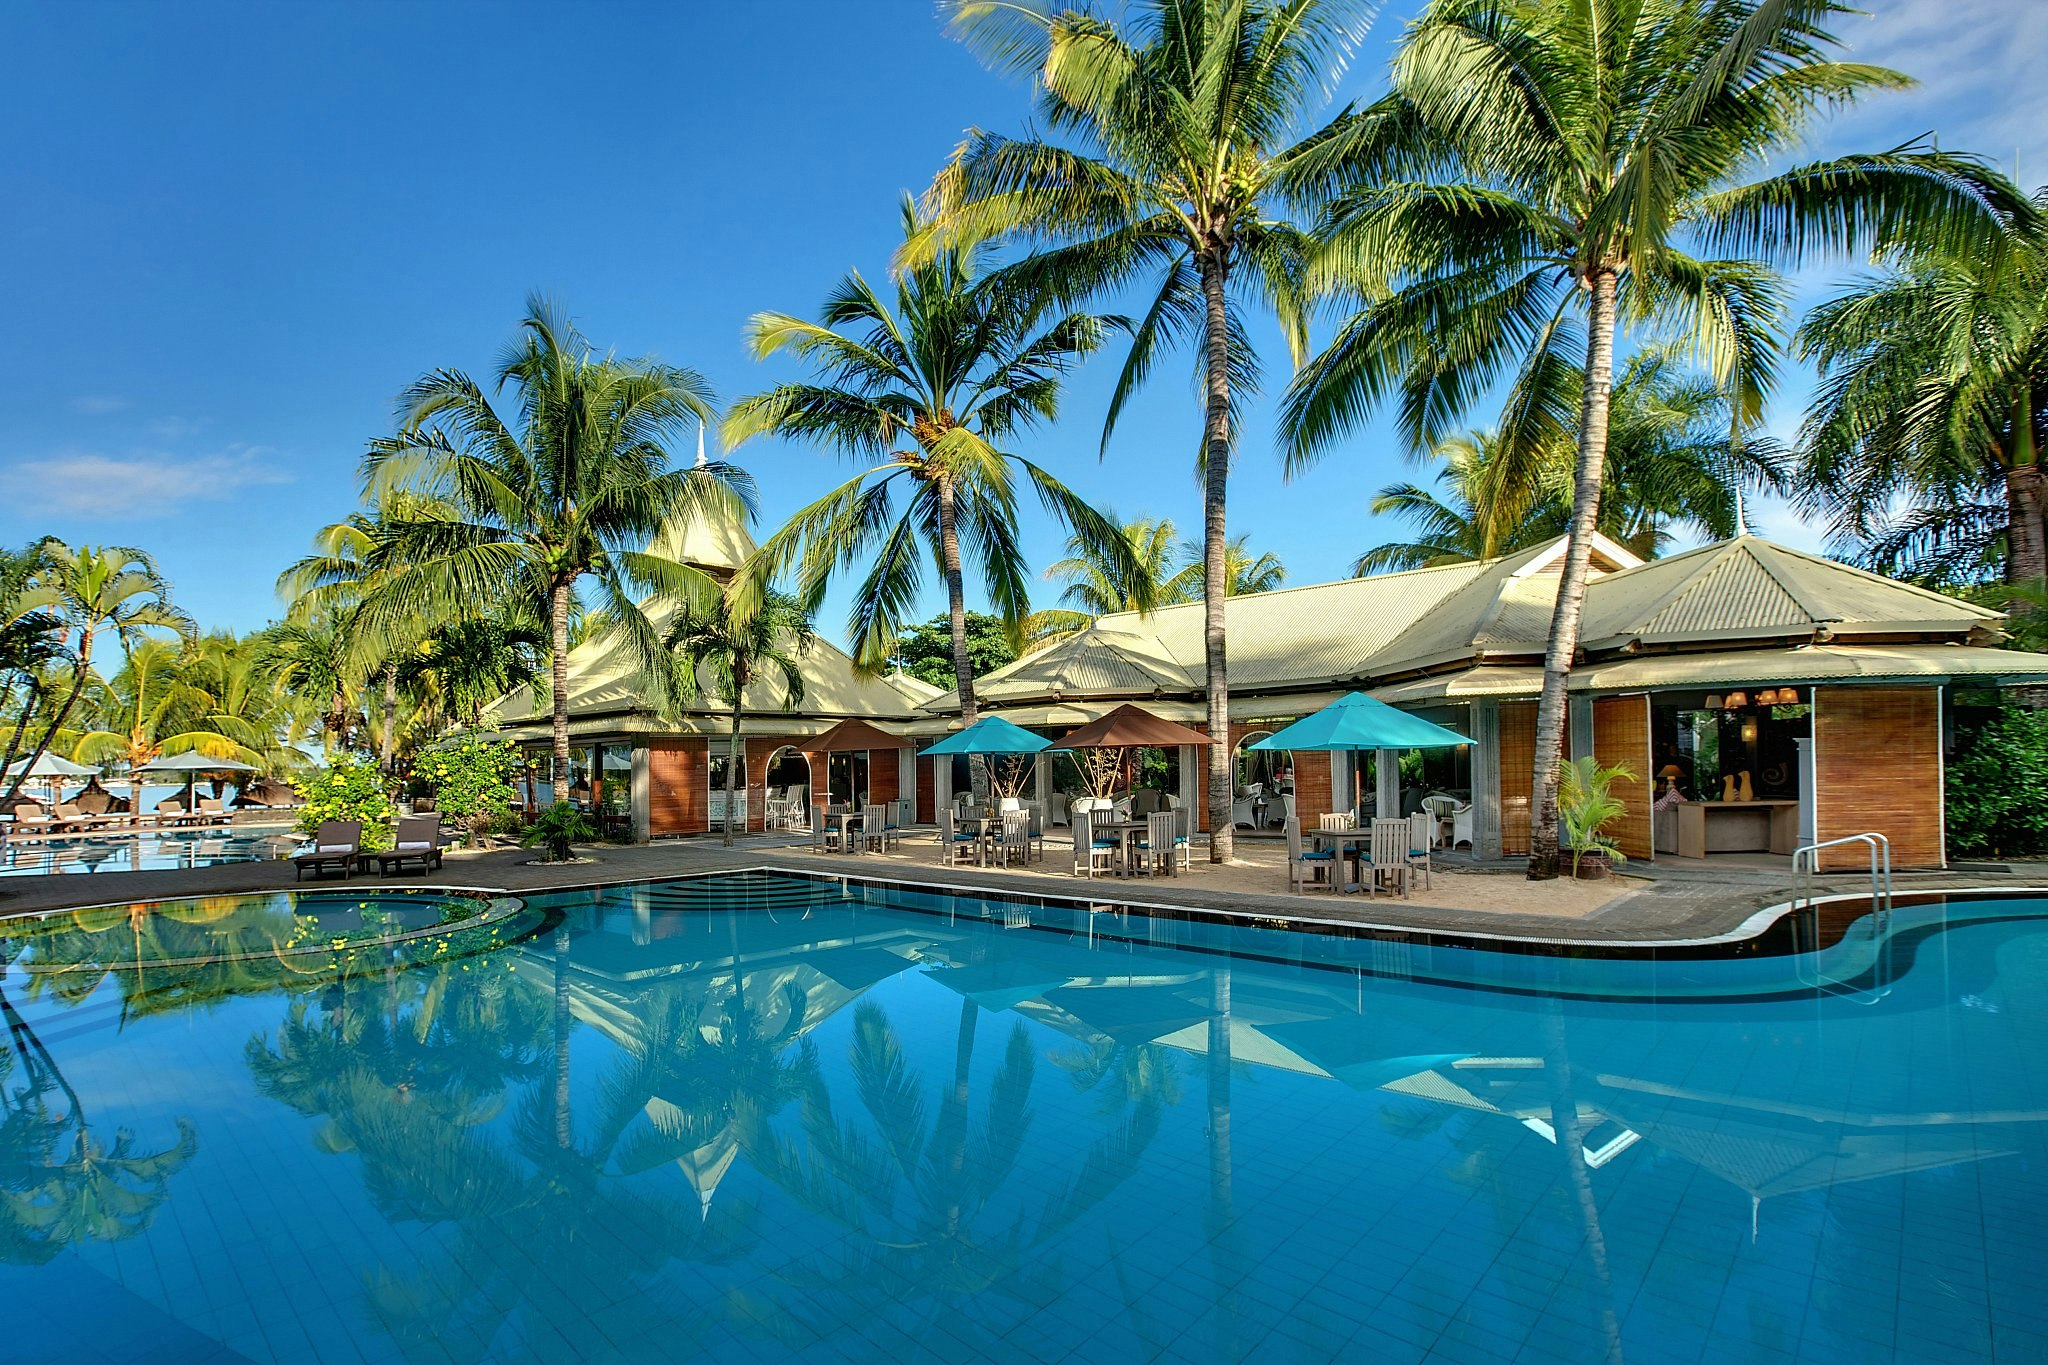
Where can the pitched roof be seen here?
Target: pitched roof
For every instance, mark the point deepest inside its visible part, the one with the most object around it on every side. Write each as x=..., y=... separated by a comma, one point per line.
x=1749, y=589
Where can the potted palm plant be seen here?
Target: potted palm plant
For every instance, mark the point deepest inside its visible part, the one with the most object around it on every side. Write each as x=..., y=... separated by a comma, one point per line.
x=1587, y=807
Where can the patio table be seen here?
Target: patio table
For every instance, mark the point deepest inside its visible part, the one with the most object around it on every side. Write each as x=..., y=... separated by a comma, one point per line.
x=1125, y=831
x=849, y=820
x=1339, y=840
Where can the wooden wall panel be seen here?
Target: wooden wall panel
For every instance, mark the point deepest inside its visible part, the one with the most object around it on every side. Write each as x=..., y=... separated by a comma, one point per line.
x=678, y=772
x=927, y=791
x=1517, y=772
x=1621, y=734
x=1877, y=766
x=885, y=775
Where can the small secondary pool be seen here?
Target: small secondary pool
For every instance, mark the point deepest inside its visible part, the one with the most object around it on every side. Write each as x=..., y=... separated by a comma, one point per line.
x=143, y=850
x=768, y=1117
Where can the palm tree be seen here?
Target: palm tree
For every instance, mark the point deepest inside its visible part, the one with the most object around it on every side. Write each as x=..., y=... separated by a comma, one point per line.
x=1243, y=571
x=315, y=659
x=1932, y=377
x=243, y=706
x=95, y=591
x=1671, y=459
x=932, y=392
x=1101, y=580
x=465, y=665
x=31, y=645
x=1469, y=519
x=1185, y=109
x=152, y=709
x=710, y=636
x=1533, y=180
x=567, y=494
x=346, y=569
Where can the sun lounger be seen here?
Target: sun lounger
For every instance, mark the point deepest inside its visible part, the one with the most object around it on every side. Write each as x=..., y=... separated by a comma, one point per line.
x=336, y=844
x=211, y=812
x=419, y=840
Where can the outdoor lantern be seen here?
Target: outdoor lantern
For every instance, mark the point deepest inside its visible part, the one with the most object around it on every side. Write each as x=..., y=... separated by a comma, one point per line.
x=1713, y=701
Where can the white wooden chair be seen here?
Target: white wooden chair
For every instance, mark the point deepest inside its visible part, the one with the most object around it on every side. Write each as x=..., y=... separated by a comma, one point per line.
x=1336, y=820
x=1091, y=850
x=1156, y=848
x=1422, y=829
x=1304, y=867
x=824, y=831
x=955, y=846
x=1388, y=864
x=1013, y=842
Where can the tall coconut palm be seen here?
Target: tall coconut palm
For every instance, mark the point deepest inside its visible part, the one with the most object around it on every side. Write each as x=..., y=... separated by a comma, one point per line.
x=1546, y=171
x=564, y=497
x=96, y=591
x=933, y=393
x=1101, y=580
x=726, y=649
x=1189, y=146
x=1933, y=378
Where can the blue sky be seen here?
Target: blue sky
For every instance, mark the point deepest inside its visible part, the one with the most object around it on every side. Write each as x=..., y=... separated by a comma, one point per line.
x=235, y=231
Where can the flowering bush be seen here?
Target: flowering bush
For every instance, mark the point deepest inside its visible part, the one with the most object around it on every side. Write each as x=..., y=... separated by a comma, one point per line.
x=471, y=779
x=349, y=791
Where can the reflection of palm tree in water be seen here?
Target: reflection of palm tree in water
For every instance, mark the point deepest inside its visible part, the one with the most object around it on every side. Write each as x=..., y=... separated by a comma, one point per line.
x=916, y=1202
x=61, y=1184
x=1570, y=1142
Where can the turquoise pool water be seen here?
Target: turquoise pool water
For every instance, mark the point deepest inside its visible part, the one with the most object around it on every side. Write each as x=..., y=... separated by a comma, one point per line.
x=767, y=1118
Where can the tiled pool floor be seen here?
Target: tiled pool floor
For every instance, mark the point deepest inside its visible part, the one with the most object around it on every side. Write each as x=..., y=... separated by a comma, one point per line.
x=755, y=1119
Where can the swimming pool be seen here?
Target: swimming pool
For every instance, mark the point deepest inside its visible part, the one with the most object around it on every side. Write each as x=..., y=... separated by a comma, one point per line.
x=144, y=850
x=774, y=1117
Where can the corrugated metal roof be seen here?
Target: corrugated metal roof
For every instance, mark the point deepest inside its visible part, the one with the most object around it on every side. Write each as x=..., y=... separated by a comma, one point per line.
x=1100, y=661
x=1844, y=663
x=1748, y=588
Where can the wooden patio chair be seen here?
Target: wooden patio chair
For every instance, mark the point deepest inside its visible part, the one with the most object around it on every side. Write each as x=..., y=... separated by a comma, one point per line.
x=1089, y=848
x=1308, y=865
x=336, y=844
x=419, y=840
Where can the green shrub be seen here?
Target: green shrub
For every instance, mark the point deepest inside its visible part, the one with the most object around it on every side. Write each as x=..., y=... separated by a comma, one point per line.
x=349, y=791
x=555, y=828
x=1998, y=786
x=471, y=781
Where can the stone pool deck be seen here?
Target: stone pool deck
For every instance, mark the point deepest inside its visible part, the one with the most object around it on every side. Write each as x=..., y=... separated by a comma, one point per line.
x=1667, y=903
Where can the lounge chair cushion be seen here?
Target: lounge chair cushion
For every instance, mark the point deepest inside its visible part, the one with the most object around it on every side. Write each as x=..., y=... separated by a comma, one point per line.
x=335, y=848
x=414, y=846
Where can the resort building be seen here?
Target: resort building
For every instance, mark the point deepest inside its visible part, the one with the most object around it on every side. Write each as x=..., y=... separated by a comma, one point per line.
x=666, y=773
x=1761, y=697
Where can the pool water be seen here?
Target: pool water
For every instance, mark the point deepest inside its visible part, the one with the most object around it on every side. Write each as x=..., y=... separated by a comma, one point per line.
x=144, y=850
x=764, y=1117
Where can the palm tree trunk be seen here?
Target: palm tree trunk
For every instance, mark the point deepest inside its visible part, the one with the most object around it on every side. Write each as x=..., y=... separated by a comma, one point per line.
x=1215, y=484
x=21, y=728
x=387, y=718
x=732, y=748
x=2026, y=558
x=956, y=616
x=81, y=669
x=558, y=669
x=1571, y=585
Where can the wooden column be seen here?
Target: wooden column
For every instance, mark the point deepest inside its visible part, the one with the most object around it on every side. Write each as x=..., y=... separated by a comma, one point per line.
x=640, y=793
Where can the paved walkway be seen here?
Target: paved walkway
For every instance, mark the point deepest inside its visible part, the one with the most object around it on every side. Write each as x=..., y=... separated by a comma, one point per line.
x=1673, y=906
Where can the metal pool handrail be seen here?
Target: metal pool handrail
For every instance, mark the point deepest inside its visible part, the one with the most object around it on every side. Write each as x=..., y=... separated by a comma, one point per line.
x=1806, y=861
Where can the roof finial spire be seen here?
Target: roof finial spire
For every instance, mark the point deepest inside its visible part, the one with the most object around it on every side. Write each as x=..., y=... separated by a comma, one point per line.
x=1741, y=516
x=700, y=443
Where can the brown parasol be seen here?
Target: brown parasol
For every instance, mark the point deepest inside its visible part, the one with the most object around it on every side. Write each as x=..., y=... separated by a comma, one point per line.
x=1114, y=736
x=852, y=736
x=1130, y=727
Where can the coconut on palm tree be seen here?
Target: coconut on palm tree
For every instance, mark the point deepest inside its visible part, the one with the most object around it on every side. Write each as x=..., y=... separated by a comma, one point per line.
x=1933, y=379
x=931, y=395
x=726, y=649
x=1545, y=173
x=1189, y=147
x=94, y=591
x=562, y=497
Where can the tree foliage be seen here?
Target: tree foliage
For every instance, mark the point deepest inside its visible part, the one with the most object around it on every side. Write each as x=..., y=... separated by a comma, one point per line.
x=1997, y=786
x=925, y=651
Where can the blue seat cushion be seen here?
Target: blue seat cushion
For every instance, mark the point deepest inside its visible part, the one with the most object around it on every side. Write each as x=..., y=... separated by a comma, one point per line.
x=1319, y=857
x=1103, y=843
